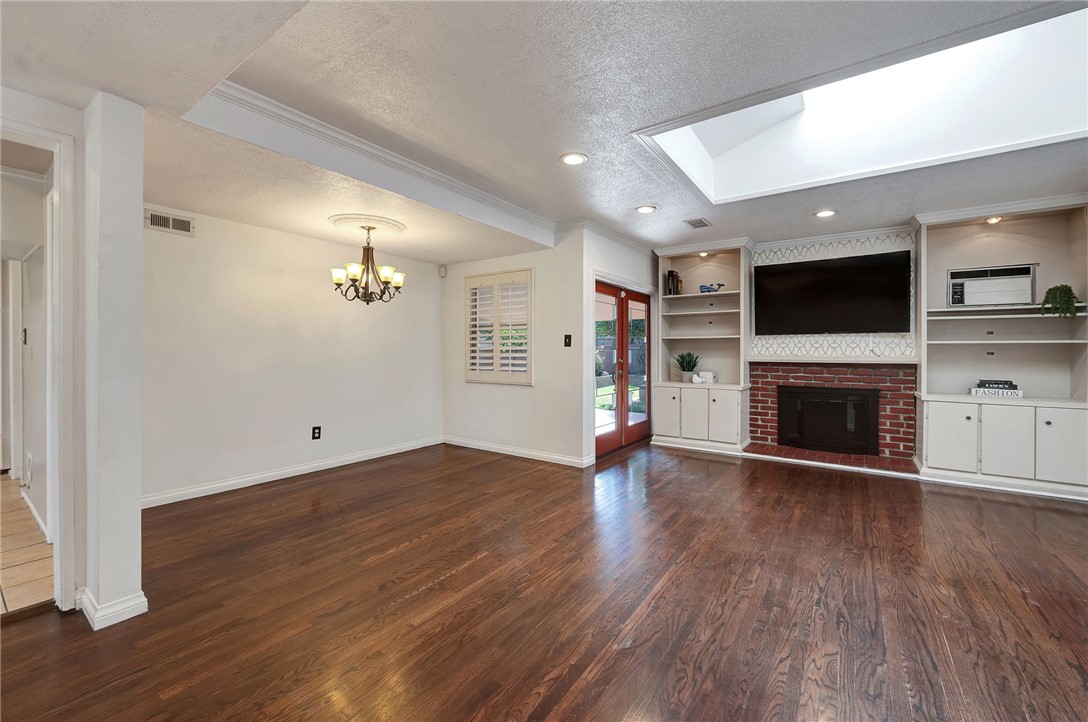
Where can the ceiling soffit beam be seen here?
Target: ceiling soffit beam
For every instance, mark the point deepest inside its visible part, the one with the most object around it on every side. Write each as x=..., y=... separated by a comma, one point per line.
x=1012, y=22
x=238, y=112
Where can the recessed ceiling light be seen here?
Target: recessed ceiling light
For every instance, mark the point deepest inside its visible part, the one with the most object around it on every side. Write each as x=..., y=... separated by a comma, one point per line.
x=574, y=158
x=993, y=219
x=703, y=254
x=825, y=213
x=646, y=209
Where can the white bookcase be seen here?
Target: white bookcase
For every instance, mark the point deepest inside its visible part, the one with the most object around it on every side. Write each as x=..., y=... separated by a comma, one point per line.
x=715, y=326
x=1035, y=443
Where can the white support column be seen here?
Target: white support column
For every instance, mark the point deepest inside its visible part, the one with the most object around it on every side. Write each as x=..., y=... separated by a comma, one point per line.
x=114, y=136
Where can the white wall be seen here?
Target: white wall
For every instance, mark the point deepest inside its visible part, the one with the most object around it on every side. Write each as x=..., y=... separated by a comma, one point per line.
x=22, y=211
x=247, y=346
x=542, y=421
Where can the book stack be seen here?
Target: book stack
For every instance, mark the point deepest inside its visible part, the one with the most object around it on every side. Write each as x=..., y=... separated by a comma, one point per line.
x=673, y=285
x=996, y=387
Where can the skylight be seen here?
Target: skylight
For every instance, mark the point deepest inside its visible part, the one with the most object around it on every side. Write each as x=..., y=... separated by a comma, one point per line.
x=1020, y=89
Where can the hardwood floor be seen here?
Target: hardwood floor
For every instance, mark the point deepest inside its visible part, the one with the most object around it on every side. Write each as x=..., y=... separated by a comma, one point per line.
x=452, y=584
x=26, y=561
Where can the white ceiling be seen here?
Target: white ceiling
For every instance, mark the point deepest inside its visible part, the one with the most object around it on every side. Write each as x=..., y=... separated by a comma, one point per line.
x=190, y=168
x=25, y=157
x=491, y=94
x=158, y=54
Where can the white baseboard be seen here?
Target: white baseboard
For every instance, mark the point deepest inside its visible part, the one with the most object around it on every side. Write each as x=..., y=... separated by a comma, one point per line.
x=103, y=615
x=713, y=447
x=1031, y=487
x=576, y=461
x=37, y=517
x=239, y=482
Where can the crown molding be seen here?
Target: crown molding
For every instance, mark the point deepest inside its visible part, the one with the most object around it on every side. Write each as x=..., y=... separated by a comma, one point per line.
x=836, y=237
x=19, y=173
x=1051, y=203
x=247, y=100
x=594, y=227
x=719, y=245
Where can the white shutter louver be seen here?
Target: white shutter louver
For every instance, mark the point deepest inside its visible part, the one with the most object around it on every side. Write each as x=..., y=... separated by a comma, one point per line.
x=498, y=328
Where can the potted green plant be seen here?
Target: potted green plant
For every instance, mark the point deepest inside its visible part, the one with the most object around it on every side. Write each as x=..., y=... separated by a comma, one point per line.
x=687, y=362
x=1061, y=300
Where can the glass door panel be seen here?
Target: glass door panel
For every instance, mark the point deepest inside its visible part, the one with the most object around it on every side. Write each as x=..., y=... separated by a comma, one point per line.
x=621, y=361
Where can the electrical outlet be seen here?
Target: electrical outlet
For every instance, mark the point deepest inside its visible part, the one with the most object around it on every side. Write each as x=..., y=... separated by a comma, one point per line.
x=316, y=433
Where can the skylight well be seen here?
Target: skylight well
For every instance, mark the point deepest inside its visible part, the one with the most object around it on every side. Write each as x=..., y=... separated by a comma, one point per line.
x=1020, y=89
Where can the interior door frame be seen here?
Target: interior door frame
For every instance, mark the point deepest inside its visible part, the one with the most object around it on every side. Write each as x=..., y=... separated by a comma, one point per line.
x=624, y=434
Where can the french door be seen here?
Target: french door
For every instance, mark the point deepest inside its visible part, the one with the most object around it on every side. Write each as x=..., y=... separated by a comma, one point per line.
x=621, y=367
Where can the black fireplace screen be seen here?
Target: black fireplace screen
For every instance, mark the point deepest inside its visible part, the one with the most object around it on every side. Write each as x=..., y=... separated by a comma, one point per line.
x=822, y=419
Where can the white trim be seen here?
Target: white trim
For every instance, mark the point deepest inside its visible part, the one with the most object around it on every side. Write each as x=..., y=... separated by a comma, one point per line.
x=1051, y=203
x=713, y=447
x=24, y=174
x=44, y=124
x=37, y=517
x=114, y=612
x=575, y=461
x=240, y=482
x=14, y=369
x=626, y=283
x=835, y=237
x=721, y=245
x=585, y=224
x=1031, y=487
x=208, y=113
x=889, y=360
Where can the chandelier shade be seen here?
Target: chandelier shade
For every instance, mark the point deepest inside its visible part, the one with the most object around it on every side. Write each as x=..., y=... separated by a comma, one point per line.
x=366, y=281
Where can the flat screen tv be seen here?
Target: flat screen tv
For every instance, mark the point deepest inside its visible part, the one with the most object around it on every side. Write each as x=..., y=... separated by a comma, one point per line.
x=859, y=294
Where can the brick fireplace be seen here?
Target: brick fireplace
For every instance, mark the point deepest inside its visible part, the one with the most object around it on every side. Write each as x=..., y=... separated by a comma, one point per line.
x=895, y=420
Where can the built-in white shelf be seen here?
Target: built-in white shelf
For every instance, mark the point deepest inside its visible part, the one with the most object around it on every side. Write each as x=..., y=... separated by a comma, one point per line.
x=704, y=295
x=696, y=338
x=966, y=317
x=980, y=309
x=701, y=313
x=1063, y=403
x=1002, y=341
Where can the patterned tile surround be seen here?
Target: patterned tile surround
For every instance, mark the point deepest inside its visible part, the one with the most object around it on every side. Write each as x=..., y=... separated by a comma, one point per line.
x=870, y=346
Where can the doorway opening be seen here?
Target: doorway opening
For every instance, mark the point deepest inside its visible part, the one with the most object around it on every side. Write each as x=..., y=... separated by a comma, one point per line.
x=621, y=400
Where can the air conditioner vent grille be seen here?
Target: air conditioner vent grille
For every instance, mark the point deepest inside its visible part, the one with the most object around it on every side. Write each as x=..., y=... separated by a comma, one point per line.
x=698, y=222
x=171, y=224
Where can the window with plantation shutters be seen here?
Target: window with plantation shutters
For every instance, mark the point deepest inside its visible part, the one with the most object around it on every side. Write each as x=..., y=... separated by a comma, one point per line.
x=498, y=328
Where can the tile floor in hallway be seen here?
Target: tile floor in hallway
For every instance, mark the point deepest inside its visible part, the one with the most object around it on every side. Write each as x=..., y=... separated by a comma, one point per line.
x=26, y=561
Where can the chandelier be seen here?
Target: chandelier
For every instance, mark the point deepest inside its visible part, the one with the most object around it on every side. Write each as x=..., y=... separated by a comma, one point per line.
x=366, y=281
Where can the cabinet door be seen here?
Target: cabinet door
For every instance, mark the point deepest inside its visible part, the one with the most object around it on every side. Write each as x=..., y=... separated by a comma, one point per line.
x=1008, y=440
x=952, y=436
x=694, y=410
x=725, y=416
x=666, y=411
x=1060, y=441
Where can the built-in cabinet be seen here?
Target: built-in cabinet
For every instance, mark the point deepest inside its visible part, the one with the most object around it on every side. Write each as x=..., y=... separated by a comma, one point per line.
x=714, y=326
x=698, y=413
x=1036, y=442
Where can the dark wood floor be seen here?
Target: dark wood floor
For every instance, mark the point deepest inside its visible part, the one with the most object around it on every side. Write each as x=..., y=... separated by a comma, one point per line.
x=451, y=584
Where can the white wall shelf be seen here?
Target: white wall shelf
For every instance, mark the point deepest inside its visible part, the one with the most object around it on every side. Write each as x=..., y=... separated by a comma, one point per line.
x=702, y=295
x=996, y=342
x=697, y=338
x=701, y=313
x=1036, y=315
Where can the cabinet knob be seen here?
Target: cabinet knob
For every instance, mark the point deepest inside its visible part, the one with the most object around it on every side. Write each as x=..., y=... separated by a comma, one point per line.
x=968, y=418
x=716, y=401
x=674, y=398
x=1048, y=423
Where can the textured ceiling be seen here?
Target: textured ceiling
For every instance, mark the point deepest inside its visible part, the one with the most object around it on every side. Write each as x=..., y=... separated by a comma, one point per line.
x=190, y=168
x=158, y=54
x=25, y=157
x=493, y=93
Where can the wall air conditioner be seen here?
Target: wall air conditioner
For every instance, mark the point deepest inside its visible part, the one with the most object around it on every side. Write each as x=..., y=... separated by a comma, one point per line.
x=993, y=286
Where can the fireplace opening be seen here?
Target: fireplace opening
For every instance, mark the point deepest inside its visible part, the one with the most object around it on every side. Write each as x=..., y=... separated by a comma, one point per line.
x=822, y=419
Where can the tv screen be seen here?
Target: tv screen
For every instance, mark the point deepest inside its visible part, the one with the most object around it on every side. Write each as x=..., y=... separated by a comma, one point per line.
x=860, y=294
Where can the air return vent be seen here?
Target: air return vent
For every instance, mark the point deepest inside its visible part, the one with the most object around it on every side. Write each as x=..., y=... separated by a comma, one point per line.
x=698, y=222
x=171, y=224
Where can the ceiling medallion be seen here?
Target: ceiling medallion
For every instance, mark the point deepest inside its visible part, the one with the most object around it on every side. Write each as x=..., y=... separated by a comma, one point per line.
x=357, y=222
